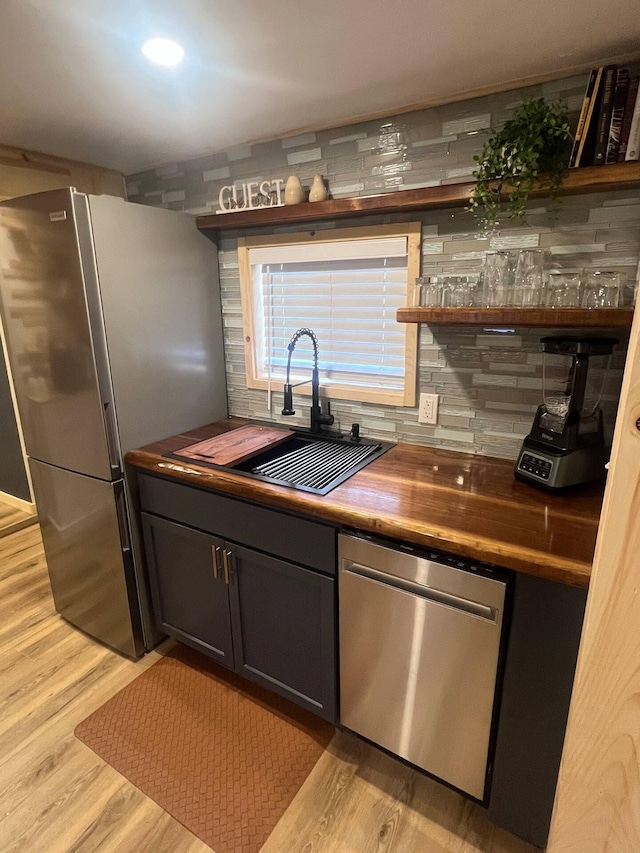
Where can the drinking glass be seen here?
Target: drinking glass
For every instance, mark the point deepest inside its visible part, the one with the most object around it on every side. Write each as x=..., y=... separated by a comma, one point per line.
x=528, y=289
x=563, y=289
x=455, y=291
x=429, y=291
x=628, y=291
x=602, y=290
x=498, y=278
x=475, y=284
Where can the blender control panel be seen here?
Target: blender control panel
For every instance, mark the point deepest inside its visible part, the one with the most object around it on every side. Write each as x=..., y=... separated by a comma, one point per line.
x=538, y=466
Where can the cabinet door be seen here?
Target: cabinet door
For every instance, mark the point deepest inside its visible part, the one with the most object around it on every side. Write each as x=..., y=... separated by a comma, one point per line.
x=285, y=628
x=189, y=592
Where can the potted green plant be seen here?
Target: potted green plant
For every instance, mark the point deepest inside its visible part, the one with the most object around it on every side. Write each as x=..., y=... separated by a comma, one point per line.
x=533, y=147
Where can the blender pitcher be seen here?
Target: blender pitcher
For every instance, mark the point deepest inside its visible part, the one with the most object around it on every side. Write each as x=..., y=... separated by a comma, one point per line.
x=558, y=376
x=566, y=445
x=574, y=371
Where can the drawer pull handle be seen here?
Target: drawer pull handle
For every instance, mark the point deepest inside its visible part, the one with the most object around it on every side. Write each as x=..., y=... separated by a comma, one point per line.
x=227, y=556
x=215, y=557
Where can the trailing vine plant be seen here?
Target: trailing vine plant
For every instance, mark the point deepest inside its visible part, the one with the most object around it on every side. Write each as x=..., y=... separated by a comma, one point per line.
x=533, y=147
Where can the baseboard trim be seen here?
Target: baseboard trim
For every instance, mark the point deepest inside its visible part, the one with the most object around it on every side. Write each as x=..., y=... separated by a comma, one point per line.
x=18, y=503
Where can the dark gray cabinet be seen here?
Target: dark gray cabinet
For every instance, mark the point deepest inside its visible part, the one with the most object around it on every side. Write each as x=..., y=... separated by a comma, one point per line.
x=188, y=589
x=542, y=650
x=261, y=614
x=284, y=624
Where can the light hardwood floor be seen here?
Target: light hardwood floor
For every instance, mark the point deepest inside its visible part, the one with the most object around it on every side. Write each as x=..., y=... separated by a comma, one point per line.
x=58, y=796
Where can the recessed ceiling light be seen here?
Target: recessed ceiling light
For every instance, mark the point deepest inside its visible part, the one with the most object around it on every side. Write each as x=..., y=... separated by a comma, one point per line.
x=163, y=51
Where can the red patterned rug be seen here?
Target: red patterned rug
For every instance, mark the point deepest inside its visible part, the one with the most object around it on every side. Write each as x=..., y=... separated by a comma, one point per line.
x=223, y=756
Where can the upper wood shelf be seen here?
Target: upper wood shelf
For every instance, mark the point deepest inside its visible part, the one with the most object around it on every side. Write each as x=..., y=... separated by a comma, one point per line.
x=618, y=176
x=601, y=318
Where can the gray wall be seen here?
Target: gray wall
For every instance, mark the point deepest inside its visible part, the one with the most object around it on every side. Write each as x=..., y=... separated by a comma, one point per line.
x=489, y=381
x=13, y=477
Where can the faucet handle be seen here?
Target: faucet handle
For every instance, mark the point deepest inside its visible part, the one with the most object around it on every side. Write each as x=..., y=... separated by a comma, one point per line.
x=326, y=418
x=288, y=409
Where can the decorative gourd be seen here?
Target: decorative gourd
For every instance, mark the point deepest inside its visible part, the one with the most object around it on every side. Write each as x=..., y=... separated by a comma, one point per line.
x=318, y=190
x=293, y=192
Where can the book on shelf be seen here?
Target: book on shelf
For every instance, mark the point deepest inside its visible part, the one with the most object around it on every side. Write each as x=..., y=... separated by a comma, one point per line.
x=633, y=143
x=605, y=110
x=632, y=94
x=617, y=115
x=588, y=95
x=586, y=145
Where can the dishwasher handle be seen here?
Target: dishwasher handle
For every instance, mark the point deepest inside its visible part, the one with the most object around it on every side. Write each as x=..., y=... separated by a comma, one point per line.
x=435, y=595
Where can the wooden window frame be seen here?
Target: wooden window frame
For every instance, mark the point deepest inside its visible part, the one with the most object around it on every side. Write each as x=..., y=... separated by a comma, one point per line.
x=387, y=397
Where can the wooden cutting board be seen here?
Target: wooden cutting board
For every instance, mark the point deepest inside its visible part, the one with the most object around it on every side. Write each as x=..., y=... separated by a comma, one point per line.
x=235, y=446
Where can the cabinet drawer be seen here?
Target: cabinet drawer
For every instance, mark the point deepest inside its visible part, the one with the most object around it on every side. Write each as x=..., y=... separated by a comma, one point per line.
x=309, y=543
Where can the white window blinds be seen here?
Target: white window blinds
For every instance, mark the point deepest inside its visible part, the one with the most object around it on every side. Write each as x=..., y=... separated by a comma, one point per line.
x=348, y=293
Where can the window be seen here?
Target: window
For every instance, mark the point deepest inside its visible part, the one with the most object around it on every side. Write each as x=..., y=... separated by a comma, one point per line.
x=346, y=285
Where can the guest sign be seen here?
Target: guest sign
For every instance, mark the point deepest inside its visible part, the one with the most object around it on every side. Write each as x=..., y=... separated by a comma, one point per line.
x=251, y=196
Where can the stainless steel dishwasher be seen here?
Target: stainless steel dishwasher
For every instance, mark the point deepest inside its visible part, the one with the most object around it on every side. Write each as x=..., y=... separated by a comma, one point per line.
x=420, y=643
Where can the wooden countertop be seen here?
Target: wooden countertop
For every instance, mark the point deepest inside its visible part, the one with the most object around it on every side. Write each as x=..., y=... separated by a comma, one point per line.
x=456, y=502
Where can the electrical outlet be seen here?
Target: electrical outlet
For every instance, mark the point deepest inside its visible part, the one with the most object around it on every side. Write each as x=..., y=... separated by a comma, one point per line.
x=428, y=411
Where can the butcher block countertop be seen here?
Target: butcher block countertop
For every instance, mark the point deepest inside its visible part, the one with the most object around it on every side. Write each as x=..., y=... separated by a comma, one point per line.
x=467, y=505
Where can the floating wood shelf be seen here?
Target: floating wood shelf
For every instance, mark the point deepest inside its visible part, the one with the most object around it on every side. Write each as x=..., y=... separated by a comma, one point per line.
x=602, y=318
x=618, y=176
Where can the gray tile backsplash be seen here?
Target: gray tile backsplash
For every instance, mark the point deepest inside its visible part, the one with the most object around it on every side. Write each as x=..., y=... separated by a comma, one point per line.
x=489, y=380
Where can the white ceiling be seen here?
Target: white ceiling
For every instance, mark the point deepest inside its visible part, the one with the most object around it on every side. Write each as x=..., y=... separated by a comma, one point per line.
x=74, y=83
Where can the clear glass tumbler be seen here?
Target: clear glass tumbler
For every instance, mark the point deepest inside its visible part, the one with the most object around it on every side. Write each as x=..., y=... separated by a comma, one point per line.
x=475, y=284
x=563, y=289
x=497, y=274
x=528, y=290
x=455, y=291
x=602, y=289
x=429, y=291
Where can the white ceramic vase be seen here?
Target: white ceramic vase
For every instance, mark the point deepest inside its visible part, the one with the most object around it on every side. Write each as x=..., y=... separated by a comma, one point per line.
x=293, y=192
x=318, y=190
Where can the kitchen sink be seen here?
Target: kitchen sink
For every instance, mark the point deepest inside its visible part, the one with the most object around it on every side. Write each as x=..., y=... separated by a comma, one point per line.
x=311, y=463
x=308, y=463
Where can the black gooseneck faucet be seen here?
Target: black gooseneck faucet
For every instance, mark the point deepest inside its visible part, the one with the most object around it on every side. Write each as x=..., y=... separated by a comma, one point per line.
x=317, y=417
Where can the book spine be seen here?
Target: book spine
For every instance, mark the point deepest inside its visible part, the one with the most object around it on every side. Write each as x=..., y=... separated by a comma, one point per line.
x=589, y=123
x=619, y=102
x=626, y=119
x=604, y=115
x=633, y=145
x=583, y=118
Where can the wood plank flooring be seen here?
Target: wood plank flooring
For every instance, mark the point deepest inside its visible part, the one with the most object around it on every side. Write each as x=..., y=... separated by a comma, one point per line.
x=12, y=518
x=58, y=796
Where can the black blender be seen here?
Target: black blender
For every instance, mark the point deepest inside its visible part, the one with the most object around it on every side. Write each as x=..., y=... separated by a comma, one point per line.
x=566, y=445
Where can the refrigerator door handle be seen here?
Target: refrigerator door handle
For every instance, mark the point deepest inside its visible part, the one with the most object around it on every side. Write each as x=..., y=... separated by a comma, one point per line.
x=121, y=510
x=112, y=441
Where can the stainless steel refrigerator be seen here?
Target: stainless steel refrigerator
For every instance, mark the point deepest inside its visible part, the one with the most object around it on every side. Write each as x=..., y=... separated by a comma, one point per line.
x=112, y=319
